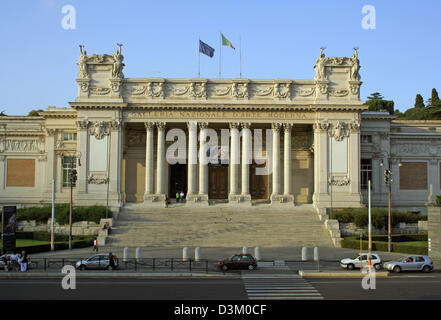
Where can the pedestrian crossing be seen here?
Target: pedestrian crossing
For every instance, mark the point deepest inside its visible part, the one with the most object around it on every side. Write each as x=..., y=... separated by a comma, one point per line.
x=278, y=287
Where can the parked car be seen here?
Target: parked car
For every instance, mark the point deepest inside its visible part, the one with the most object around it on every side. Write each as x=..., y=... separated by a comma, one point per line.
x=354, y=262
x=97, y=262
x=410, y=263
x=238, y=261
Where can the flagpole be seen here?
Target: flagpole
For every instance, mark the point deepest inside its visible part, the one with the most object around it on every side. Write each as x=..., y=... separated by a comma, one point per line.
x=240, y=55
x=199, y=58
x=220, y=54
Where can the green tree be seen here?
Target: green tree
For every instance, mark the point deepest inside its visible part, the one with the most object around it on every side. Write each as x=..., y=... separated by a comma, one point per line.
x=3, y=114
x=375, y=95
x=434, y=101
x=34, y=113
x=376, y=102
x=419, y=101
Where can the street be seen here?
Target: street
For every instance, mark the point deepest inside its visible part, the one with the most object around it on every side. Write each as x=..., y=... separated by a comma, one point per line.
x=275, y=286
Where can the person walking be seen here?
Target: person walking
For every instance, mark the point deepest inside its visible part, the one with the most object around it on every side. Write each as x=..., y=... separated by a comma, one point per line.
x=177, y=196
x=23, y=260
x=111, y=261
x=182, y=196
x=95, y=245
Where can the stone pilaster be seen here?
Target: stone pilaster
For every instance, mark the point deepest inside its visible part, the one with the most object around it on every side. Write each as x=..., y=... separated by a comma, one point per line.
x=82, y=148
x=149, y=161
x=160, y=163
x=287, y=164
x=246, y=161
x=234, y=161
x=275, y=196
x=192, y=160
x=203, y=165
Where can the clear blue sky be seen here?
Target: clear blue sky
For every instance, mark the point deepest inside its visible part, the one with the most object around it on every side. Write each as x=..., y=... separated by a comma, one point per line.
x=280, y=39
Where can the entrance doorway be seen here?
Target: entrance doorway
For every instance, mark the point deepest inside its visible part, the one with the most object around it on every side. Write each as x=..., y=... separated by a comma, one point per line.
x=258, y=183
x=178, y=180
x=218, y=181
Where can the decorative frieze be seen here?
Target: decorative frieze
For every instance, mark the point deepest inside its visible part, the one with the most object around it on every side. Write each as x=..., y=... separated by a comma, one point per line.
x=92, y=179
x=21, y=145
x=339, y=182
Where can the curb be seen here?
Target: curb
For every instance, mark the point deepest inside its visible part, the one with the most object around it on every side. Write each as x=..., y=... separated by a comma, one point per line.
x=339, y=274
x=25, y=275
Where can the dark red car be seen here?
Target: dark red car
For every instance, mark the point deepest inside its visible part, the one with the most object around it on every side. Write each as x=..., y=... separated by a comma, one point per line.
x=238, y=261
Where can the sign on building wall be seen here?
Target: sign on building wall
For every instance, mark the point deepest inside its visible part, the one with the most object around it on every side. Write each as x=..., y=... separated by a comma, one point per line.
x=339, y=155
x=9, y=225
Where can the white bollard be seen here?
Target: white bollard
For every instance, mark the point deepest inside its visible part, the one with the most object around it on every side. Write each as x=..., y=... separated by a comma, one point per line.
x=304, y=254
x=138, y=255
x=185, y=254
x=316, y=254
x=245, y=250
x=197, y=254
x=257, y=253
x=126, y=254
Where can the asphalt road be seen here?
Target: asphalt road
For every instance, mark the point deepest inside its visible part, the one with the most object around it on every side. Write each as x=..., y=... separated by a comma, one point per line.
x=403, y=286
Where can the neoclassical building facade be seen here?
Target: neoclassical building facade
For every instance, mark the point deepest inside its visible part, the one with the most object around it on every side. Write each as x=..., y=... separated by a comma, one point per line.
x=240, y=141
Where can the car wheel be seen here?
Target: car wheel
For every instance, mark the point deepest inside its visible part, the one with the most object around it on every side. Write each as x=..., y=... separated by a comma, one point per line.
x=397, y=269
x=377, y=266
x=224, y=267
x=426, y=269
x=82, y=267
x=251, y=267
x=351, y=266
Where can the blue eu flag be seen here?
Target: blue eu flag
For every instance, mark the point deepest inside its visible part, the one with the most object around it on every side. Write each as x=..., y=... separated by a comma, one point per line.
x=206, y=49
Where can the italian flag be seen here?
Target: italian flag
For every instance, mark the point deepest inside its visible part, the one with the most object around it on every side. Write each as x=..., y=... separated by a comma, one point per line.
x=225, y=42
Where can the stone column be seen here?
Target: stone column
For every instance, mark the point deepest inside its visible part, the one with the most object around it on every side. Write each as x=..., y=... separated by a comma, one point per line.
x=192, y=159
x=149, y=174
x=115, y=162
x=82, y=147
x=321, y=198
x=246, y=161
x=354, y=160
x=235, y=160
x=287, y=164
x=203, y=164
x=160, y=162
x=275, y=196
x=2, y=172
x=51, y=163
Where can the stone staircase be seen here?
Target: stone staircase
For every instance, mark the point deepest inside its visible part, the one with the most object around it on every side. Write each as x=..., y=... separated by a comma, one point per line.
x=219, y=225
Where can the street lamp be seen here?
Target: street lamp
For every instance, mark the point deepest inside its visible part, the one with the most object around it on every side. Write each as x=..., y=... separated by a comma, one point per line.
x=73, y=179
x=388, y=180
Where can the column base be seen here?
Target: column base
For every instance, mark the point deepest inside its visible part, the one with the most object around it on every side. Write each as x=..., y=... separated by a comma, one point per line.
x=279, y=199
x=155, y=200
x=239, y=199
x=196, y=199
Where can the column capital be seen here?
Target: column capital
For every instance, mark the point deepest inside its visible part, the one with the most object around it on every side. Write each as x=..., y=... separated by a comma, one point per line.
x=321, y=126
x=287, y=126
x=234, y=125
x=246, y=125
x=203, y=125
x=150, y=126
x=160, y=125
x=276, y=126
x=192, y=125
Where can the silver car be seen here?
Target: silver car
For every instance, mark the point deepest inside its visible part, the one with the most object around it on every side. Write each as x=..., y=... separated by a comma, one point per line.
x=97, y=262
x=410, y=263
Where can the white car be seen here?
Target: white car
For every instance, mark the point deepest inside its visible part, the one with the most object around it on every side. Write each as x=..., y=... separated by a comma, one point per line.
x=354, y=262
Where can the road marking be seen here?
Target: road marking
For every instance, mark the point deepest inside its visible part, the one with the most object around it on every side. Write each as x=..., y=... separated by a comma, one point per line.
x=278, y=286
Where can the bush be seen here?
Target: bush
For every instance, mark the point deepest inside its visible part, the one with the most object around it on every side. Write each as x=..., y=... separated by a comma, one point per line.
x=43, y=214
x=359, y=216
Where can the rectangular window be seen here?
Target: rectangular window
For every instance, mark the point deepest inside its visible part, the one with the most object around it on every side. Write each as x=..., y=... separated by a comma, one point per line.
x=69, y=163
x=413, y=176
x=366, y=138
x=70, y=136
x=366, y=172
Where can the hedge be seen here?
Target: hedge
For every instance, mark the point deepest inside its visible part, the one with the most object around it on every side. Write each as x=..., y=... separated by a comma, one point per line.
x=398, y=244
x=43, y=214
x=380, y=217
x=57, y=246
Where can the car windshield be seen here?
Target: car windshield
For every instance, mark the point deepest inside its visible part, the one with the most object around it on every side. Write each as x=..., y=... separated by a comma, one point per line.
x=355, y=257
